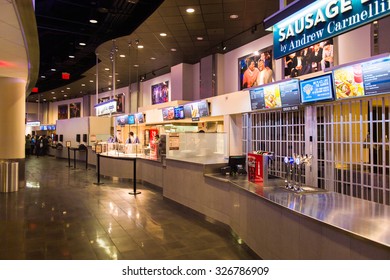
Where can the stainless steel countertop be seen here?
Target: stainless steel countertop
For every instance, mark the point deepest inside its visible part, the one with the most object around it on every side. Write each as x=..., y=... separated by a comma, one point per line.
x=363, y=218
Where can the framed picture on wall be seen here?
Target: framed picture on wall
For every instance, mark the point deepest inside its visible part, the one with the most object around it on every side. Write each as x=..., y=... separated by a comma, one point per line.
x=256, y=69
x=74, y=110
x=120, y=103
x=62, y=112
x=160, y=93
x=309, y=60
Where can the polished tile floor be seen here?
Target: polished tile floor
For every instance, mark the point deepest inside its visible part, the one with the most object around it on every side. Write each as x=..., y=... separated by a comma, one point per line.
x=61, y=214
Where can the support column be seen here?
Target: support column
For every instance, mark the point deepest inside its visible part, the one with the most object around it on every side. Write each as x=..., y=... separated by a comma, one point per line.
x=12, y=123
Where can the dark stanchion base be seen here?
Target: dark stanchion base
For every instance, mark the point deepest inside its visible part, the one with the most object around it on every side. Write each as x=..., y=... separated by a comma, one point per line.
x=98, y=183
x=134, y=193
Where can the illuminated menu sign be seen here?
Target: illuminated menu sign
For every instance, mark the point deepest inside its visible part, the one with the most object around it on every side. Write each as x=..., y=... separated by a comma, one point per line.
x=105, y=108
x=284, y=94
x=364, y=78
x=317, y=89
x=289, y=93
x=196, y=110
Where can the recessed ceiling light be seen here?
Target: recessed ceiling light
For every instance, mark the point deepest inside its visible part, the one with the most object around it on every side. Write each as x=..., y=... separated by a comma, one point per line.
x=68, y=88
x=65, y=95
x=62, y=90
x=54, y=97
x=44, y=99
x=163, y=34
x=110, y=76
x=91, y=81
x=52, y=92
x=43, y=76
x=233, y=16
x=93, y=21
x=152, y=58
x=109, y=88
x=37, y=100
x=71, y=56
x=173, y=49
x=140, y=46
x=136, y=65
x=118, y=80
x=52, y=69
x=190, y=10
x=83, y=85
x=82, y=44
x=107, y=69
x=199, y=38
x=122, y=55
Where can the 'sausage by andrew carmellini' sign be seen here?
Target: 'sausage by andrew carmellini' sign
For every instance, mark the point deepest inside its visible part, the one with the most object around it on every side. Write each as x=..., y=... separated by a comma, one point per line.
x=324, y=19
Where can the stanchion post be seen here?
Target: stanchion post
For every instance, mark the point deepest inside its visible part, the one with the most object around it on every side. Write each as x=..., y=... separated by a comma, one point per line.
x=74, y=158
x=69, y=157
x=98, y=149
x=134, y=178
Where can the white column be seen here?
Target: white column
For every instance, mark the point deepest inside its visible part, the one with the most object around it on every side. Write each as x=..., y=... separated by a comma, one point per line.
x=12, y=118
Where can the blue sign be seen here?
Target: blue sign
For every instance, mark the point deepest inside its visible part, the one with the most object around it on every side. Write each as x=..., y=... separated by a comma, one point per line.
x=317, y=89
x=324, y=19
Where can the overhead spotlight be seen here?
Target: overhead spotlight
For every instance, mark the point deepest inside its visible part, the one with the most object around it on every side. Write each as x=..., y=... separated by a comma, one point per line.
x=223, y=46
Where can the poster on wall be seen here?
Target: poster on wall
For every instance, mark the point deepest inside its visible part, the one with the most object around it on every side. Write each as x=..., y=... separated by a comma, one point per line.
x=312, y=59
x=256, y=69
x=160, y=93
x=74, y=110
x=62, y=112
x=120, y=103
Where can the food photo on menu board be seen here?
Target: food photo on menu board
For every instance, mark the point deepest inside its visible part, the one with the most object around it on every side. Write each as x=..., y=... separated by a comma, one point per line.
x=349, y=81
x=257, y=98
x=289, y=93
x=272, y=96
x=168, y=113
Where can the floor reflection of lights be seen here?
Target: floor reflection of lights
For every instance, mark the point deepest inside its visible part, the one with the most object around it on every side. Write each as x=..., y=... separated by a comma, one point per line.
x=32, y=185
x=106, y=248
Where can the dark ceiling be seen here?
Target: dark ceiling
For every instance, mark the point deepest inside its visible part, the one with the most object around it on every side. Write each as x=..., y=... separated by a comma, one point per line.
x=63, y=24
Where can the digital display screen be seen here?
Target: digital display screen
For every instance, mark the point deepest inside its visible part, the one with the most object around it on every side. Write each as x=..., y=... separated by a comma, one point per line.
x=272, y=97
x=316, y=89
x=179, y=112
x=139, y=118
x=130, y=119
x=257, y=98
x=122, y=120
x=168, y=113
x=364, y=78
x=196, y=109
x=289, y=93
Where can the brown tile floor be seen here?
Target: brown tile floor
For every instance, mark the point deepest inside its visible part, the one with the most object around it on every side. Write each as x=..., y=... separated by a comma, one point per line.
x=61, y=214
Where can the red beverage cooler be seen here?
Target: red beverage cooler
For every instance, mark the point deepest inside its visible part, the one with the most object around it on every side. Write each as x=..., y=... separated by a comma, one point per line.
x=257, y=168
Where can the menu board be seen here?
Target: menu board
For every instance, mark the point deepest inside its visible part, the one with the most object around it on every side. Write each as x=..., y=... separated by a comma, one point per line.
x=257, y=98
x=196, y=109
x=364, y=78
x=316, y=89
x=179, y=112
x=122, y=120
x=376, y=76
x=131, y=119
x=289, y=93
x=139, y=118
x=272, y=97
x=168, y=113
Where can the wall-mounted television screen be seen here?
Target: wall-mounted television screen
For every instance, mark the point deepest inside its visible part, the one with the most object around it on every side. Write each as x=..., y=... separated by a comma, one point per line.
x=122, y=120
x=131, y=119
x=168, y=113
x=257, y=98
x=179, y=112
x=289, y=93
x=272, y=97
x=316, y=89
x=139, y=118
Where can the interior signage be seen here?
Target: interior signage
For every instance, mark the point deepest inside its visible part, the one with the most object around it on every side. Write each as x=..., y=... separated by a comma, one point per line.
x=106, y=108
x=324, y=19
x=37, y=123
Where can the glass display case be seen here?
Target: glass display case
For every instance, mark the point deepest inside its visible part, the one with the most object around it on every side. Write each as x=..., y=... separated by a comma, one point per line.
x=197, y=147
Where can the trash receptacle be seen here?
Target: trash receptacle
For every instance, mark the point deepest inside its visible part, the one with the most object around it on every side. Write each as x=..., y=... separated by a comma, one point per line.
x=9, y=172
